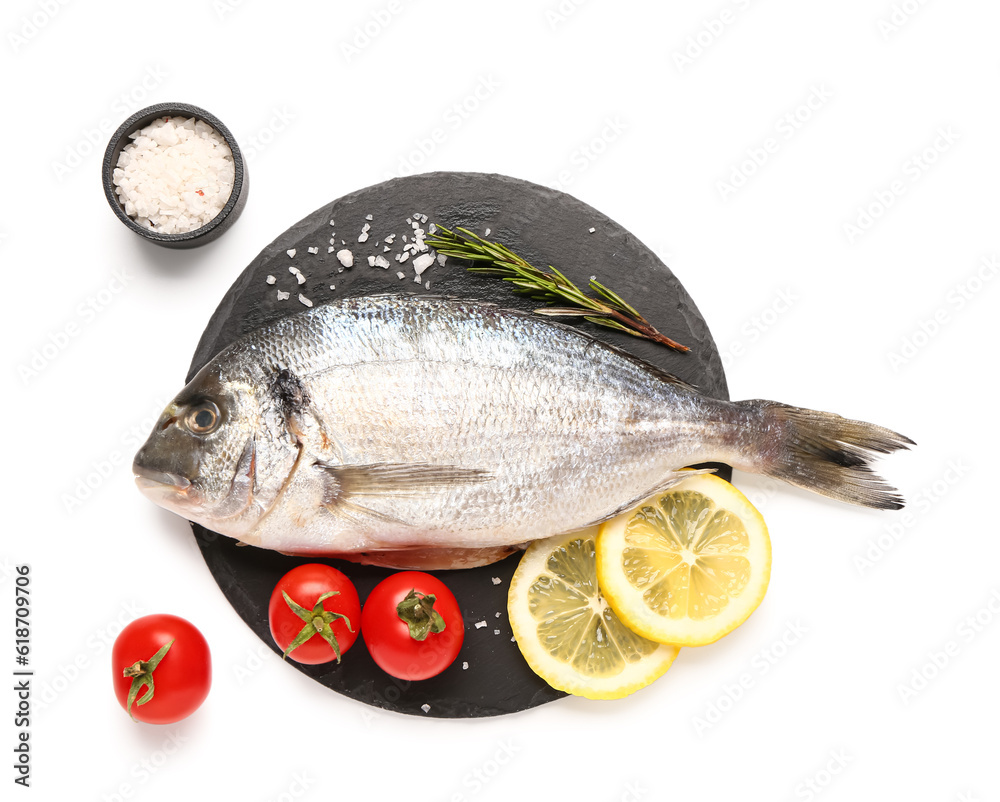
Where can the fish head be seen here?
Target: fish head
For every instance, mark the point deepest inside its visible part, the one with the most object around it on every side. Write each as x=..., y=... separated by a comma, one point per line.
x=200, y=459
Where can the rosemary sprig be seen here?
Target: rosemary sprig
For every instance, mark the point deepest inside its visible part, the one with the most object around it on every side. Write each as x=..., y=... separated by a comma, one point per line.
x=496, y=259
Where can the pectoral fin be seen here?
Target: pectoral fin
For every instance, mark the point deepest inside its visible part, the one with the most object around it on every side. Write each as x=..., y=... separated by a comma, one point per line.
x=343, y=484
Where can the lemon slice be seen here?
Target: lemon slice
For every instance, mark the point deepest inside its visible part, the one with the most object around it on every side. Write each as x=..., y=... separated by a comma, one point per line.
x=686, y=566
x=565, y=629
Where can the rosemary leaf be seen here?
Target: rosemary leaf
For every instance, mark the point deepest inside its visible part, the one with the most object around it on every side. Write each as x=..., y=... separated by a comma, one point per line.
x=608, y=309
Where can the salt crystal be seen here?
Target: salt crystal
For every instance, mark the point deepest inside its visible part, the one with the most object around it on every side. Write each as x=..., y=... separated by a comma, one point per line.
x=409, y=220
x=416, y=279
x=332, y=223
x=425, y=708
x=465, y=666
x=304, y=301
x=427, y=285
x=346, y=257
x=291, y=253
x=331, y=249
x=283, y=296
x=390, y=238
x=333, y=286
x=487, y=233
x=592, y=230
x=480, y=624
x=371, y=261
x=433, y=228
x=381, y=261
x=271, y=279
x=293, y=270
x=442, y=258
x=497, y=580
x=300, y=278
x=313, y=250
x=497, y=615
x=421, y=263
x=401, y=275
x=368, y=226
x=403, y=257
x=496, y=631
x=368, y=217
x=363, y=236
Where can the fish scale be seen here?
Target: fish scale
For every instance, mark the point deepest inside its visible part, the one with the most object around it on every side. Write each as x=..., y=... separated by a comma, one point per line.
x=382, y=427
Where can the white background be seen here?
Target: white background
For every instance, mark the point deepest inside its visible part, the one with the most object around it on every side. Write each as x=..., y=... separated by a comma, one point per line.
x=894, y=322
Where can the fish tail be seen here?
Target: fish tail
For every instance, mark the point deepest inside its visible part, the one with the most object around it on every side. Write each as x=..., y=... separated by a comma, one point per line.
x=825, y=453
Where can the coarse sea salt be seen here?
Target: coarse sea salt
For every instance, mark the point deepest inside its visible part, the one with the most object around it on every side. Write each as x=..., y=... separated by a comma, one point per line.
x=175, y=176
x=422, y=262
x=346, y=257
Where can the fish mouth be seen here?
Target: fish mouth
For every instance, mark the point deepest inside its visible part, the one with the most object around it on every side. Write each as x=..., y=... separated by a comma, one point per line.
x=160, y=481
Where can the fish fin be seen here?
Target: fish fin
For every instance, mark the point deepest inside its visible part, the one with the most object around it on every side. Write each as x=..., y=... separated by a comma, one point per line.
x=343, y=483
x=825, y=453
x=355, y=513
x=397, y=479
x=671, y=479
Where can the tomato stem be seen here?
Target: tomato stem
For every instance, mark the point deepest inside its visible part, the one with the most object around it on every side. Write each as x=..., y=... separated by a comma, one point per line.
x=417, y=611
x=141, y=673
x=317, y=622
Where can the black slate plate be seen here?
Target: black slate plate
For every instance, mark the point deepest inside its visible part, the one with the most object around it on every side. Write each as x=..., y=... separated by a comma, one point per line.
x=545, y=227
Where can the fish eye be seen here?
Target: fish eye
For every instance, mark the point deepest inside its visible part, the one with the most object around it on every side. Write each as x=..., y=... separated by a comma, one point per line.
x=203, y=418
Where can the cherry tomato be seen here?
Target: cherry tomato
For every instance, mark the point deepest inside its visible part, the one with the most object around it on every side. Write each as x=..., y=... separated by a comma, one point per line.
x=163, y=662
x=323, y=617
x=406, y=597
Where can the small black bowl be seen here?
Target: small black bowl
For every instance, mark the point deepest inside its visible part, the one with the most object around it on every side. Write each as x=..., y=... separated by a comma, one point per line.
x=214, y=227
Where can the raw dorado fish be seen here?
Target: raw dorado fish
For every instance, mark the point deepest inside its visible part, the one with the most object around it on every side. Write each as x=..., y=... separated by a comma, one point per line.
x=424, y=432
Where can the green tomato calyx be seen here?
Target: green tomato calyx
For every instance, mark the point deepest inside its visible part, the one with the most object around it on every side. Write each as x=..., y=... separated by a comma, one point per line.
x=317, y=622
x=417, y=611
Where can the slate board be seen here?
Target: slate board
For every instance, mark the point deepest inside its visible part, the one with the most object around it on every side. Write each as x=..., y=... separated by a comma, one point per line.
x=545, y=227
